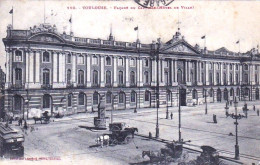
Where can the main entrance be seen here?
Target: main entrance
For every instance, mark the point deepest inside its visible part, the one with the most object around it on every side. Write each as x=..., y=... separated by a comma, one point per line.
x=183, y=97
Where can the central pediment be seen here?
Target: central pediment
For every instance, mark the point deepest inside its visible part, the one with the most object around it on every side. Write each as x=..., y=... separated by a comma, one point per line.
x=178, y=47
x=46, y=37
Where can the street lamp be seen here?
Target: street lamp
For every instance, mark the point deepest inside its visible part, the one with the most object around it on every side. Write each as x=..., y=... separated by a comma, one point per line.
x=157, y=89
x=167, y=108
x=206, y=108
x=179, y=113
x=236, y=116
x=113, y=97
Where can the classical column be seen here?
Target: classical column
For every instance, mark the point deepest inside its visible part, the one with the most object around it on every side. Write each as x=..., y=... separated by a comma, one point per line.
x=88, y=71
x=173, y=71
x=37, y=67
x=55, y=68
x=115, y=72
x=228, y=73
x=207, y=73
x=27, y=69
x=214, y=74
x=127, y=71
x=73, y=69
x=62, y=67
x=176, y=69
x=221, y=73
x=11, y=57
x=240, y=74
x=163, y=75
x=253, y=74
x=102, y=71
x=154, y=72
x=234, y=75
x=7, y=67
x=141, y=72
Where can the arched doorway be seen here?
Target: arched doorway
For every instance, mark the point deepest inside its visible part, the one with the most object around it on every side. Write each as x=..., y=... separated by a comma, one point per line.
x=231, y=93
x=219, y=95
x=18, y=104
x=169, y=98
x=257, y=94
x=47, y=103
x=147, y=98
x=238, y=93
x=225, y=94
x=195, y=95
x=179, y=76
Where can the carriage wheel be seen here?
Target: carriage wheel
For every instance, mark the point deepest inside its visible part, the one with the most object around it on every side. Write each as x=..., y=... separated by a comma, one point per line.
x=128, y=139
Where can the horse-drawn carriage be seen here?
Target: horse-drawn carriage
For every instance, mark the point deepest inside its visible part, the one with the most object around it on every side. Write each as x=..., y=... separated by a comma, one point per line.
x=173, y=152
x=44, y=117
x=119, y=135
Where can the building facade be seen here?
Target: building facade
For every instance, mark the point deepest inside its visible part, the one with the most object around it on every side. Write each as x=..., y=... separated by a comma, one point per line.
x=49, y=71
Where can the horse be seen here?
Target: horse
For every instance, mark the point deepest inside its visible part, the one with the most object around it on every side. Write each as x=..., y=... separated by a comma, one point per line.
x=132, y=130
x=103, y=139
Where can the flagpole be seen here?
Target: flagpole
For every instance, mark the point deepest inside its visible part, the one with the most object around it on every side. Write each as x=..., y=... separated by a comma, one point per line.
x=44, y=13
x=70, y=23
x=12, y=17
x=239, y=45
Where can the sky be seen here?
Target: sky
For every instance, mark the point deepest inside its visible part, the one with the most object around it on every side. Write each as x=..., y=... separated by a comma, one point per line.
x=223, y=22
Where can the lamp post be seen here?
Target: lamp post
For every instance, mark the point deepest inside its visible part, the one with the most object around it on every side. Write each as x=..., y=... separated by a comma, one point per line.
x=236, y=117
x=157, y=89
x=179, y=114
x=113, y=97
x=206, y=108
x=167, y=108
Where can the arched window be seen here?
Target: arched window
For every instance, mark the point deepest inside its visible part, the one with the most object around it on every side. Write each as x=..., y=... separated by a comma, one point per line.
x=80, y=59
x=68, y=76
x=256, y=67
x=236, y=66
x=46, y=57
x=230, y=66
x=69, y=58
x=224, y=66
x=179, y=76
x=81, y=98
x=218, y=79
x=237, y=81
x=202, y=65
x=169, y=95
x=246, y=78
x=46, y=76
x=108, y=97
x=238, y=92
x=225, y=78
x=146, y=62
x=247, y=91
x=231, y=78
x=121, y=97
x=192, y=77
x=18, y=103
x=245, y=67
x=108, y=77
x=218, y=65
x=210, y=66
x=95, y=77
x=81, y=77
x=132, y=78
x=202, y=78
x=120, y=61
x=46, y=101
x=256, y=79
x=147, y=96
x=146, y=77
x=211, y=92
x=70, y=100
x=231, y=92
x=18, y=56
x=133, y=96
x=18, y=74
x=94, y=60
x=226, y=94
x=108, y=61
x=166, y=77
x=121, y=78
x=194, y=94
x=210, y=78
x=132, y=62
x=95, y=98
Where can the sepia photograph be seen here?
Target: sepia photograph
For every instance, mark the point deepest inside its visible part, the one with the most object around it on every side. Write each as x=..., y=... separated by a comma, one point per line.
x=135, y=82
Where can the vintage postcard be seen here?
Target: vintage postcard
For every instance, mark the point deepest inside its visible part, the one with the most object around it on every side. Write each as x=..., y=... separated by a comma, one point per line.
x=130, y=82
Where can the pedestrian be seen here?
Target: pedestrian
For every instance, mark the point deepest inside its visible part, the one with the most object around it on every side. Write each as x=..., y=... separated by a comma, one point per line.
x=257, y=112
x=25, y=125
x=171, y=115
x=150, y=135
x=215, y=118
x=20, y=122
x=254, y=107
x=11, y=120
x=135, y=111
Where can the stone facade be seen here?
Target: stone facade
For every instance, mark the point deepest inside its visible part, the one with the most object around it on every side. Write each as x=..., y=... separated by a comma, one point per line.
x=50, y=71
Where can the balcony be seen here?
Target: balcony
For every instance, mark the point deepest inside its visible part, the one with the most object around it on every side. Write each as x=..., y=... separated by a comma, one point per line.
x=46, y=86
x=108, y=85
x=95, y=85
x=80, y=85
x=121, y=85
x=18, y=85
x=69, y=85
x=132, y=84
